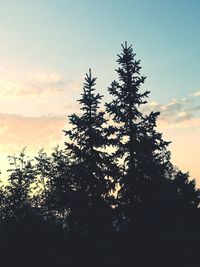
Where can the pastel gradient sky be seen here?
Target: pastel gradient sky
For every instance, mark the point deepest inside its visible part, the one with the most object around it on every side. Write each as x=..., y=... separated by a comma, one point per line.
x=46, y=46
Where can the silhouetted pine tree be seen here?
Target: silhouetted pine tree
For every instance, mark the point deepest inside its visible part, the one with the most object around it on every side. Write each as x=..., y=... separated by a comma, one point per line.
x=139, y=148
x=92, y=167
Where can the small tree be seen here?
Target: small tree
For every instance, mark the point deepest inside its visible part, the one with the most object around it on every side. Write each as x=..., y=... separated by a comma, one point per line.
x=54, y=181
x=185, y=190
x=18, y=201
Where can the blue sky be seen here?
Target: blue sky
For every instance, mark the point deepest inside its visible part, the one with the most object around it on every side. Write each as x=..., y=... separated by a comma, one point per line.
x=71, y=36
x=47, y=46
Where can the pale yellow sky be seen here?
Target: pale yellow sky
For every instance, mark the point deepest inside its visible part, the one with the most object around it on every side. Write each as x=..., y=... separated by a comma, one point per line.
x=185, y=150
x=177, y=122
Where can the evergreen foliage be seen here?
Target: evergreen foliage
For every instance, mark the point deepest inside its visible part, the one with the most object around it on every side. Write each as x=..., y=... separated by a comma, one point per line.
x=92, y=167
x=144, y=156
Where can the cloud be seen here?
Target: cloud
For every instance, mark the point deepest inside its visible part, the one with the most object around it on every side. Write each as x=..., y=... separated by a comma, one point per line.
x=76, y=86
x=17, y=89
x=38, y=84
x=48, y=78
x=184, y=116
x=17, y=130
x=197, y=93
x=177, y=113
x=55, y=82
x=72, y=107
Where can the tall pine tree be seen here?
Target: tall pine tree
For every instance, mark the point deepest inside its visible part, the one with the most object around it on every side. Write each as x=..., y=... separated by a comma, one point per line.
x=140, y=150
x=92, y=167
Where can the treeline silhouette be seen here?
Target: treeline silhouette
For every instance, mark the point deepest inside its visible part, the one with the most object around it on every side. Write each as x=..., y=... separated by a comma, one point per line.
x=110, y=197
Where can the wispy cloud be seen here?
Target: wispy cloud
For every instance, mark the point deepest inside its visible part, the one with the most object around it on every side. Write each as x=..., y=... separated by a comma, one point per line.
x=38, y=84
x=49, y=78
x=24, y=131
x=176, y=113
x=16, y=89
x=197, y=93
x=53, y=82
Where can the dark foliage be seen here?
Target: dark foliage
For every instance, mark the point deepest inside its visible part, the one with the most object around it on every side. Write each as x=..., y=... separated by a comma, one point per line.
x=144, y=156
x=92, y=167
x=111, y=197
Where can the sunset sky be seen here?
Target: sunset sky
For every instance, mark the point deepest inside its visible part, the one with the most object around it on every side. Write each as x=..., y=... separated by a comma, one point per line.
x=46, y=46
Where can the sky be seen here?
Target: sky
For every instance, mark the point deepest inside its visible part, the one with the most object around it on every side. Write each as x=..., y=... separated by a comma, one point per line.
x=47, y=46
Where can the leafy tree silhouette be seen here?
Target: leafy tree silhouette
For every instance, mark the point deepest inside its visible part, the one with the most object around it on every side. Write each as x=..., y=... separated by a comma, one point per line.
x=18, y=190
x=55, y=184
x=27, y=232
x=185, y=189
x=20, y=220
x=185, y=203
